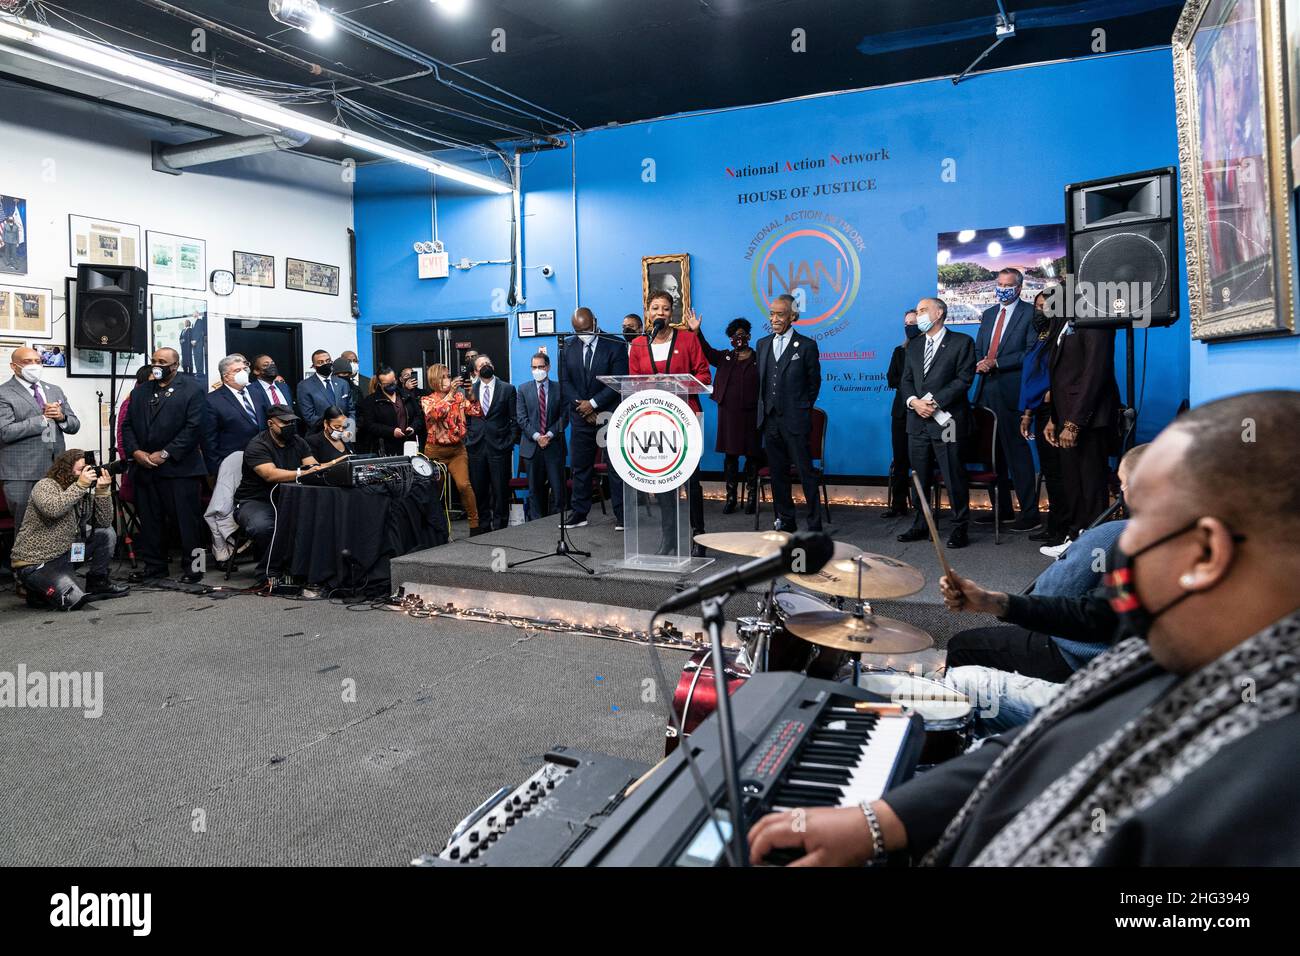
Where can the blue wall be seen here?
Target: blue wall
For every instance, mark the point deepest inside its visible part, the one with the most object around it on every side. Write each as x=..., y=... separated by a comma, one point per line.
x=1014, y=140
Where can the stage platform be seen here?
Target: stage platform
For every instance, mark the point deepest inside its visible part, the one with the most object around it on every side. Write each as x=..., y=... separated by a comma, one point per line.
x=480, y=563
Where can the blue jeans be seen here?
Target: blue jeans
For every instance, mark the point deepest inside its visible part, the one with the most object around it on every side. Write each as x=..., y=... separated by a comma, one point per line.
x=1001, y=699
x=55, y=583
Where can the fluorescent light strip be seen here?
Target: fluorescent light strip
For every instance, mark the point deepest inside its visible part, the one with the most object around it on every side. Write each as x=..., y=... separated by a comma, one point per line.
x=173, y=81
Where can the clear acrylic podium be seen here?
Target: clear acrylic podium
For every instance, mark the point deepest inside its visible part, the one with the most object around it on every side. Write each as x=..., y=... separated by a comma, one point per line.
x=656, y=527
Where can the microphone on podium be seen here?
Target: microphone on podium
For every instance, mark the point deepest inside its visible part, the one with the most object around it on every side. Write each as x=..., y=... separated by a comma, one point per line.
x=805, y=553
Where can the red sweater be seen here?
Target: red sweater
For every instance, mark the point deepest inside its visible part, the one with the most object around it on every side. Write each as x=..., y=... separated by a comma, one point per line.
x=687, y=357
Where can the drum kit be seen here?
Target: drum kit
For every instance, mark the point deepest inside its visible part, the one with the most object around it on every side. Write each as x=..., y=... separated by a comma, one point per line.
x=798, y=631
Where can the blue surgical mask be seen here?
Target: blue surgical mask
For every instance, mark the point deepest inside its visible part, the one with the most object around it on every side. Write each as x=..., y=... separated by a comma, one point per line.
x=924, y=323
x=1007, y=294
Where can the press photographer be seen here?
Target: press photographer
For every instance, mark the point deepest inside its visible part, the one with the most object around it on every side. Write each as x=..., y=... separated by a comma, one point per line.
x=69, y=522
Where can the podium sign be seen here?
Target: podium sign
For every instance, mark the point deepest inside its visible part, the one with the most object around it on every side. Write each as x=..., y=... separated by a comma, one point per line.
x=653, y=441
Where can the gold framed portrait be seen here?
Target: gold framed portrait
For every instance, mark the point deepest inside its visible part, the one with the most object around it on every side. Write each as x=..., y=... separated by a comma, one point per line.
x=1230, y=88
x=671, y=274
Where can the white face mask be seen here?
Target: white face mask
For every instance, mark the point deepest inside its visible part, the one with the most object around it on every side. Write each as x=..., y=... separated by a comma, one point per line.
x=539, y=375
x=32, y=374
x=586, y=337
x=241, y=377
x=337, y=436
x=355, y=368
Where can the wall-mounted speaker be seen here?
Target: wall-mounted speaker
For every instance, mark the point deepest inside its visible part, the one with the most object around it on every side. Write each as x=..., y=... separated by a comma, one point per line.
x=1121, y=250
x=111, y=309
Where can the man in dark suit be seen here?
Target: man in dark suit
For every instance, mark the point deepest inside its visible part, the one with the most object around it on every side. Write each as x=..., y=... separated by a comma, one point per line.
x=541, y=437
x=268, y=385
x=161, y=436
x=1085, y=401
x=587, y=357
x=490, y=442
x=937, y=376
x=900, y=485
x=789, y=379
x=1005, y=335
x=321, y=389
x=233, y=415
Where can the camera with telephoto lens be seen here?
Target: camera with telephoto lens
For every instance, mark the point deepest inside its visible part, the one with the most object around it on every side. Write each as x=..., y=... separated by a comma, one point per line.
x=114, y=467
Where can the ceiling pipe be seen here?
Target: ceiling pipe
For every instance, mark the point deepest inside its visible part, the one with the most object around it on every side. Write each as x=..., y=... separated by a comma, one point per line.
x=175, y=159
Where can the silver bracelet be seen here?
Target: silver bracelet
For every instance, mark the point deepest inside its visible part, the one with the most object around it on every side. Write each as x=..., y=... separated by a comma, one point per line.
x=877, y=835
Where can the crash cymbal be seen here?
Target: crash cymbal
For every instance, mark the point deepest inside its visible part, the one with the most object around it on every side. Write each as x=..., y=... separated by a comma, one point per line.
x=882, y=577
x=750, y=544
x=870, y=634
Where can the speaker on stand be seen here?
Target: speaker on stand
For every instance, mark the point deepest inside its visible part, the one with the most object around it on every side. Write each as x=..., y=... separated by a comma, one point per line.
x=1122, y=261
x=112, y=316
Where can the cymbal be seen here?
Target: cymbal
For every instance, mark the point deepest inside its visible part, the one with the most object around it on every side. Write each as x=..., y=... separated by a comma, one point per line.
x=882, y=577
x=761, y=544
x=870, y=634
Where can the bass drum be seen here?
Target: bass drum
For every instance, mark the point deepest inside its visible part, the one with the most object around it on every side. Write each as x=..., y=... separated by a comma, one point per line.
x=696, y=696
x=791, y=653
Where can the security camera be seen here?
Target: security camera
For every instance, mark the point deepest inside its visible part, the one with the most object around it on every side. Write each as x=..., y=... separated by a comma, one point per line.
x=547, y=272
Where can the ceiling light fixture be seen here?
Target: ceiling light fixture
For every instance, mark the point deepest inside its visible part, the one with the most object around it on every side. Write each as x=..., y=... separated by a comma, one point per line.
x=304, y=15
x=124, y=66
x=452, y=8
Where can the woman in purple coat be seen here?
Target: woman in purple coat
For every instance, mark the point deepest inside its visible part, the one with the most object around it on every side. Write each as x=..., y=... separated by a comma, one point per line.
x=735, y=389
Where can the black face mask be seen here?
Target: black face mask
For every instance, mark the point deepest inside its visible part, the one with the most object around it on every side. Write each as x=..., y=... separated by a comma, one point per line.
x=486, y=373
x=288, y=432
x=390, y=389
x=325, y=369
x=1135, y=620
x=1041, y=321
x=631, y=335
x=911, y=331
x=269, y=374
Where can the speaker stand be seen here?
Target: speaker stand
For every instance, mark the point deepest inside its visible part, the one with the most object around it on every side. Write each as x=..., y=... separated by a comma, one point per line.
x=1130, y=380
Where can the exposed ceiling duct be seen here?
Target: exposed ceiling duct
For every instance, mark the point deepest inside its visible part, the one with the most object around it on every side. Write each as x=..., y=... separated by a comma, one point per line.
x=175, y=159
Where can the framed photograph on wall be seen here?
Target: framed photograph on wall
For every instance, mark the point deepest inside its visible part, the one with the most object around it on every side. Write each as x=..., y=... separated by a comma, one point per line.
x=13, y=235
x=92, y=363
x=178, y=262
x=527, y=322
x=1233, y=148
x=546, y=322
x=303, y=276
x=181, y=323
x=252, y=268
x=102, y=242
x=26, y=312
x=671, y=274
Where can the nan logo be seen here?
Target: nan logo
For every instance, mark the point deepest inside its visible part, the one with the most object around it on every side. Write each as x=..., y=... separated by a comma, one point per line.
x=103, y=909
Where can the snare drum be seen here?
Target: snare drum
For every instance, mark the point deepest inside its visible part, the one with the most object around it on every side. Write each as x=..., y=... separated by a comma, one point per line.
x=790, y=653
x=696, y=696
x=947, y=714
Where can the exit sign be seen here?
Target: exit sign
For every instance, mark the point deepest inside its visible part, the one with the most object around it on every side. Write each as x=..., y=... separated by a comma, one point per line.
x=464, y=345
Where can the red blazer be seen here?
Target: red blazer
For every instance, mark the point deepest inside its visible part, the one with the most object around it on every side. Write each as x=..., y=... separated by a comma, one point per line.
x=686, y=357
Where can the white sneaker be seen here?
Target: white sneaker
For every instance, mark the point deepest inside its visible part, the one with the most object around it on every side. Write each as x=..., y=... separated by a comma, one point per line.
x=1055, y=552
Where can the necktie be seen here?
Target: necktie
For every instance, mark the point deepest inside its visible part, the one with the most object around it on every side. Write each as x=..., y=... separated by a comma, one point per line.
x=929, y=356
x=778, y=347
x=541, y=408
x=586, y=360
x=997, y=335
x=485, y=398
x=248, y=407
x=36, y=394
x=275, y=396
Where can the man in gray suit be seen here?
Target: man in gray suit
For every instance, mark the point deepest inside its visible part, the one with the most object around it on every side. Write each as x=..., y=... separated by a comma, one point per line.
x=541, y=437
x=34, y=417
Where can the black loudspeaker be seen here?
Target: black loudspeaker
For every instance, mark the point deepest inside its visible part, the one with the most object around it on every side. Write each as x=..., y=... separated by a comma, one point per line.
x=1122, y=250
x=111, y=313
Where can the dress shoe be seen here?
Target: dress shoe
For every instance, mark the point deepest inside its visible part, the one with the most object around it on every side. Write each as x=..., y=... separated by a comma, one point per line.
x=986, y=517
x=698, y=551
x=958, y=539
x=100, y=587
x=894, y=513
x=1046, y=534
x=751, y=504
x=1027, y=522
x=576, y=521
x=143, y=575
x=914, y=534
x=192, y=577
x=478, y=530
x=730, y=506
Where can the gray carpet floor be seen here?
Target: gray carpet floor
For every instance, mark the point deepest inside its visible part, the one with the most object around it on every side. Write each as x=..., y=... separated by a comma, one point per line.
x=226, y=737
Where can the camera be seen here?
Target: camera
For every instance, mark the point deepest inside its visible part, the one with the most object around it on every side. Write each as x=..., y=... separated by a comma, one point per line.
x=547, y=272
x=115, y=467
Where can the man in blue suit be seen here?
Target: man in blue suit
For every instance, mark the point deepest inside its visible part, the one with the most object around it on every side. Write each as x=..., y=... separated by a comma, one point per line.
x=234, y=414
x=586, y=357
x=541, y=438
x=1006, y=332
x=268, y=385
x=321, y=389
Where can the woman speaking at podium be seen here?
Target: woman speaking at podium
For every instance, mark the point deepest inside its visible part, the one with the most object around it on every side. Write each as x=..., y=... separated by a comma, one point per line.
x=665, y=350
x=445, y=411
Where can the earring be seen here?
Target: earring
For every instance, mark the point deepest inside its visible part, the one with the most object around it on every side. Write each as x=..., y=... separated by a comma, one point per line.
x=1187, y=580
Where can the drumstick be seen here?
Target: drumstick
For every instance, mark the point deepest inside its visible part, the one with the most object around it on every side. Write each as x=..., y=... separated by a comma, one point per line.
x=934, y=532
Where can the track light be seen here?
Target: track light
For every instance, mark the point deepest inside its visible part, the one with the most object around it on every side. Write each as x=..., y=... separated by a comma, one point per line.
x=305, y=15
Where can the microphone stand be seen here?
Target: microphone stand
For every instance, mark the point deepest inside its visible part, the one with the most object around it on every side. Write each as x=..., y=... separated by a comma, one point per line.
x=714, y=619
x=563, y=546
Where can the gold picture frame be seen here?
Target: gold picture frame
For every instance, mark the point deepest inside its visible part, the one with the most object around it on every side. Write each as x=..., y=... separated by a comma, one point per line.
x=1230, y=91
x=673, y=274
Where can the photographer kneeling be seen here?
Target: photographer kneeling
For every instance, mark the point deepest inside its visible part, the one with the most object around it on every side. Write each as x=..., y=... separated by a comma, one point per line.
x=69, y=521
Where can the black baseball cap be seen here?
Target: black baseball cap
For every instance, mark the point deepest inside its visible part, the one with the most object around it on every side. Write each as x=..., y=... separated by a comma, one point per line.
x=281, y=413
